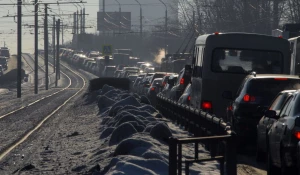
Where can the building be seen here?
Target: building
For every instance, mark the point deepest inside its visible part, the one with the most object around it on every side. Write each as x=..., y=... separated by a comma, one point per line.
x=153, y=12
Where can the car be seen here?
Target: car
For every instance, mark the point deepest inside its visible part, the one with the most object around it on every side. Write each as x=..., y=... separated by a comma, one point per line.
x=283, y=138
x=4, y=51
x=167, y=88
x=159, y=75
x=132, y=78
x=153, y=90
x=266, y=122
x=3, y=62
x=1, y=71
x=183, y=80
x=108, y=71
x=255, y=93
x=185, y=98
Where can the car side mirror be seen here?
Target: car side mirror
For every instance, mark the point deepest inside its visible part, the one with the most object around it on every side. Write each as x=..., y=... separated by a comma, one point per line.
x=271, y=114
x=227, y=95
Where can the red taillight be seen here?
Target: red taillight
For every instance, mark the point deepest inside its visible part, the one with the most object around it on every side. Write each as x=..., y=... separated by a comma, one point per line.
x=280, y=78
x=297, y=134
x=152, y=89
x=206, y=105
x=248, y=98
x=280, y=36
x=216, y=33
x=164, y=83
x=189, y=98
x=182, y=81
x=229, y=108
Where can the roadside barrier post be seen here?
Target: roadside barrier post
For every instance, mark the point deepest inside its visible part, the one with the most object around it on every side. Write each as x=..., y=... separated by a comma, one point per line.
x=231, y=159
x=172, y=156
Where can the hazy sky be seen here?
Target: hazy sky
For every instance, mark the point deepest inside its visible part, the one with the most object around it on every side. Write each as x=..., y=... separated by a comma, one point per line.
x=153, y=12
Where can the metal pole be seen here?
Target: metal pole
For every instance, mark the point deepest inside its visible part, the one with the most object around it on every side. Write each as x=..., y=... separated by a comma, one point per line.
x=57, y=48
x=120, y=15
x=74, y=23
x=77, y=23
x=19, y=73
x=62, y=32
x=83, y=20
x=36, y=81
x=57, y=51
x=104, y=17
x=141, y=19
x=46, y=46
x=53, y=45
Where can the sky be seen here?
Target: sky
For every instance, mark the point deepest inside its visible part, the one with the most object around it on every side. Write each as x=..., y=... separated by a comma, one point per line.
x=153, y=12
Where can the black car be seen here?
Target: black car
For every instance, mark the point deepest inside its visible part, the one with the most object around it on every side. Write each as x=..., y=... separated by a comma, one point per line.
x=283, y=138
x=255, y=94
x=183, y=80
x=3, y=62
x=266, y=122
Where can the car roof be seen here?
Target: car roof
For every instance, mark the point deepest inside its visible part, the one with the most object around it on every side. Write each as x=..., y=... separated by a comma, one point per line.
x=262, y=76
x=288, y=91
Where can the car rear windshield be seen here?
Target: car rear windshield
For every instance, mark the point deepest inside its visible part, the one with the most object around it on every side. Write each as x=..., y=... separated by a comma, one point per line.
x=157, y=81
x=4, y=53
x=158, y=76
x=110, y=68
x=265, y=90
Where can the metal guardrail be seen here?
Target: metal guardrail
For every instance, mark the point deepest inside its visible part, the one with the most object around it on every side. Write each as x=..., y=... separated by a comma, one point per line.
x=208, y=129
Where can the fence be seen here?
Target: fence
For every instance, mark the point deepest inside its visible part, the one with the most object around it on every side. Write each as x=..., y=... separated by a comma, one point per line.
x=208, y=129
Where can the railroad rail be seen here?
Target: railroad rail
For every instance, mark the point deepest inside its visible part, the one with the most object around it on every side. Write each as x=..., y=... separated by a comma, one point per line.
x=71, y=92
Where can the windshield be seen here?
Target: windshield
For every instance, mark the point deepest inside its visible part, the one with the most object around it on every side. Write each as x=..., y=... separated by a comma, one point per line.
x=246, y=61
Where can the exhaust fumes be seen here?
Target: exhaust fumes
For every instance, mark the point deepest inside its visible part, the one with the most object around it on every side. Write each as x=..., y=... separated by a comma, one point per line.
x=159, y=56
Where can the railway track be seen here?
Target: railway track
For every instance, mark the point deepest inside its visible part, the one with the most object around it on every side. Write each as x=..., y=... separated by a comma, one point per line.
x=19, y=124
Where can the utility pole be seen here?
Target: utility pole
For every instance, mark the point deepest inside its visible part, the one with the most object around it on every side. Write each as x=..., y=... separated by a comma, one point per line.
x=57, y=51
x=53, y=45
x=83, y=21
x=36, y=67
x=77, y=23
x=120, y=15
x=46, y=46
x=104, y=14
x=62, y=32
x=19, y=64
x=74, y=23
x=141, y=19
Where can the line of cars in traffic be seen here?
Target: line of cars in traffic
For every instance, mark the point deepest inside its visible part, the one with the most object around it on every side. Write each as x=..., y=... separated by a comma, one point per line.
x=264, y=112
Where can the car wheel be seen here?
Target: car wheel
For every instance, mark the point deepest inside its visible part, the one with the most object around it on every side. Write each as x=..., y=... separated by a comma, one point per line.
x=271, y=169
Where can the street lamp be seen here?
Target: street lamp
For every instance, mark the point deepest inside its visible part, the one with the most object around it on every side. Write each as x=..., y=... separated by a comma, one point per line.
x=141, y=20
x=166, y=26
x=120, y=16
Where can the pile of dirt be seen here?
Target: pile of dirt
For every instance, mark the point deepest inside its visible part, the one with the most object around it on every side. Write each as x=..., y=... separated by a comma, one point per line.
x=11, y=76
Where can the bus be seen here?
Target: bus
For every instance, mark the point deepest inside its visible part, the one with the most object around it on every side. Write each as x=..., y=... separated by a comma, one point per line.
x=222, y=60
x=295, y=57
